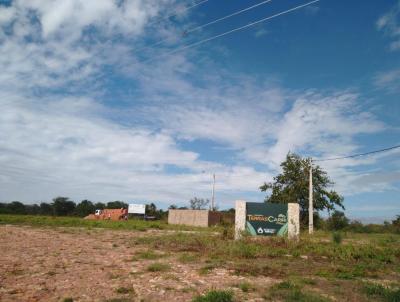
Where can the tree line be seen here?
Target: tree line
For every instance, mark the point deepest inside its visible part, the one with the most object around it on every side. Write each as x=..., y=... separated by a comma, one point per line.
x=63, y=206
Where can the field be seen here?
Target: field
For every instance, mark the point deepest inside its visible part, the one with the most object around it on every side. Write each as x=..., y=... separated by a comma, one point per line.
x=70, y=259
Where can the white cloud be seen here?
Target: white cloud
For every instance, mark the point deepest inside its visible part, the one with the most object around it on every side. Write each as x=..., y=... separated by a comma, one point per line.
x=389, y=23
x=59, y=136
x=389, y=80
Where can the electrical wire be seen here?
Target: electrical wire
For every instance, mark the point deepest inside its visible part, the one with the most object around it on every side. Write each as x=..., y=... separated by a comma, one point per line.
x=188, y=31
x=359, y=154
x=178, y=12
x=230, y=31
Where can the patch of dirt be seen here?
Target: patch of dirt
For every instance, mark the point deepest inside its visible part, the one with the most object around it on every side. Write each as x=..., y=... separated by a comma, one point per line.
x=51, y=264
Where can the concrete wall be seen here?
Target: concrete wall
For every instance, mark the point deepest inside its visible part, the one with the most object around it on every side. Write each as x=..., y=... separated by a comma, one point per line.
x=202, y=218
x=293, y=221
x=240, y=218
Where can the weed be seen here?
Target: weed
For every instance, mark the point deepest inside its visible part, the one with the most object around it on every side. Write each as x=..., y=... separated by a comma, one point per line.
x=124, y=290
x=215, y=296
x=291, y=292
x=158, y=267
x=246, y=287
x=68, y=299
x=149, y=255
x=380, y=291
x=337, y=237
x=187, y=258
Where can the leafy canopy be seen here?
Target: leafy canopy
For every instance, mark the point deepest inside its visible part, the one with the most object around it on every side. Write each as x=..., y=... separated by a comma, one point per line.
x=292, y=186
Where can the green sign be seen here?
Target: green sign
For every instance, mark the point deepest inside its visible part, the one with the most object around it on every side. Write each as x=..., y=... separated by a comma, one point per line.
x=267, y=219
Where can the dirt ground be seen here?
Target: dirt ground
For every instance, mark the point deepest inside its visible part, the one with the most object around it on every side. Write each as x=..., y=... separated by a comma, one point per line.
x=52, y=264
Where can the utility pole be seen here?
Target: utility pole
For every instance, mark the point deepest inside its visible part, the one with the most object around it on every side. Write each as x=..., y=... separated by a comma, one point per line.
x=213, y=194
x=310, y=202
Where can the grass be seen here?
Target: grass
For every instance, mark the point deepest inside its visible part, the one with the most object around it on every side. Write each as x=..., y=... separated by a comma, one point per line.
x=124, y=290
x=378, y=291
x=55, y=221
x=291, y=292
x=149, y=255
x=159, y=267
x=215, y=296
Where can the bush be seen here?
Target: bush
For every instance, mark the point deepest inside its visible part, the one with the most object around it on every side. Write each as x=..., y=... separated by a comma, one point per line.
x=337, y=237
x=158, y=267
x=337, y=221
x=215, y=296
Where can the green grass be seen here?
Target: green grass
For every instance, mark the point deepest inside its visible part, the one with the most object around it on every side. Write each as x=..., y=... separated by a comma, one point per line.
x=378, y=291
x=149, y=255
x=159, y=267
x=290, y=292
x=215, y=296
x=56, y=221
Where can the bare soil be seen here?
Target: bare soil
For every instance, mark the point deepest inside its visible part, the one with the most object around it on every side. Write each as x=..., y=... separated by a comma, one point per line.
x=52, y=264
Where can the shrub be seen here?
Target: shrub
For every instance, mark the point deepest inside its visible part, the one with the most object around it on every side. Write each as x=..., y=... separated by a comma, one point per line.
x=158, y=267
x=215, y=296
x=337, y=237
x=378, y=290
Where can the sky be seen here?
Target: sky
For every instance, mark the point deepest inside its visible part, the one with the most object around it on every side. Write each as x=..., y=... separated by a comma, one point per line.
x=104, y=100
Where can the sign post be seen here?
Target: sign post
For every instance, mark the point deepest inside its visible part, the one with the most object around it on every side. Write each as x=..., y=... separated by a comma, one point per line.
x=137, y=209
x=267, y=219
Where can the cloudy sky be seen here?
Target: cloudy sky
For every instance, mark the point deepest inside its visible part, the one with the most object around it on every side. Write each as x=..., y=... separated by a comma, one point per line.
x=100, y=99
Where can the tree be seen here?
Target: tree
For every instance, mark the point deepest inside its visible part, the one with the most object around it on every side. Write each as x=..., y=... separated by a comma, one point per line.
x=337, y=221
x=17, y=207
x=198, y=203
x=396, y=222
x=46, y=209
x=84, y=208
x=99, y=206
x=292, y=186
x=63, y=206
x=116, y=205
x=151, y=209
x=172, y=207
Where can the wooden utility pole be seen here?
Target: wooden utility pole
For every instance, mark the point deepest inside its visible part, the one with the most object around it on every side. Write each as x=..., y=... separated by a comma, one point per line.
x=310, y=202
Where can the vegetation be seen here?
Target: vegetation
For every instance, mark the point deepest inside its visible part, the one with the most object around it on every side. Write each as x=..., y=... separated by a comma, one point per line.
x=159, y=267
x=381, y=292
x=292, y=186
x=198, y=203
x=215, y=296
x=53, y=221
x=63, y=206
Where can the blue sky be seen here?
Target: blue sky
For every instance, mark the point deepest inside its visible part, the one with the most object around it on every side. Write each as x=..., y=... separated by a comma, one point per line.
x=90, y=109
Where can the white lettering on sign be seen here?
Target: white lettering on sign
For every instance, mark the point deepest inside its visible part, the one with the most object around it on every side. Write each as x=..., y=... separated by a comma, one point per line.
x=136, y=208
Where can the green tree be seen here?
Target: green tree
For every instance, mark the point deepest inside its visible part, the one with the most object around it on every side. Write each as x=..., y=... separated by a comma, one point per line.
x=99, y=206
x=46, y=209
x=293, y=183
x=63, y=206
x=337, y=221
x=17, y=207
x=84, y=208
x=116, y=205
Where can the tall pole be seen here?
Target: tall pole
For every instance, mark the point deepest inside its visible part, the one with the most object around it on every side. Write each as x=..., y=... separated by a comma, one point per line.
x=213, y=194
x=310, y=203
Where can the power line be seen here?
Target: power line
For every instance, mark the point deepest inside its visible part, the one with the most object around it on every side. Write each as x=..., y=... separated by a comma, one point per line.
x=188, y=31
x=232, y=31
x=177, y=12
x=227, y=17
x=359, y=154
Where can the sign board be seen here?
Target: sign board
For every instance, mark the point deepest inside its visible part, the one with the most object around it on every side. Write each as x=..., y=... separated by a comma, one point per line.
x=267, y=219
x=136, y=208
